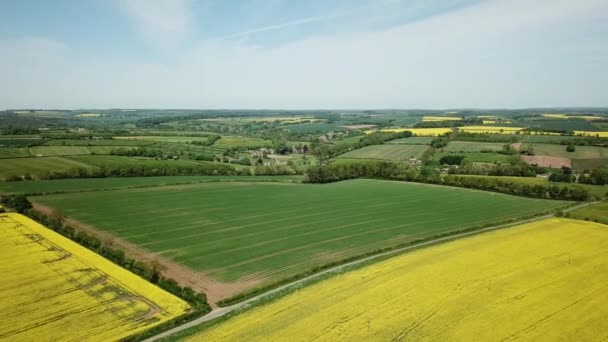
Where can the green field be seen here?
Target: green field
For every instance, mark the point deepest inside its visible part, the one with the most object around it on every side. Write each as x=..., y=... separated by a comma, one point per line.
x=597, y=213
x=37, y=166
x=226, y=142
x=119, y=161
x=19, y=142
x=55, y=151
x=162, y=138
x=412, y=141
x=469, y=146
x=102, y=142
x=397, y=152
x=92, y=184
x=589, y=164
x=581, y=152
x=597, y=191
x=268, y=231
x=14, y=152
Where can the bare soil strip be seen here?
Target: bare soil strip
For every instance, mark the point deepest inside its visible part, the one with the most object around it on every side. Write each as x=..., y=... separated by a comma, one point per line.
x=545, y=161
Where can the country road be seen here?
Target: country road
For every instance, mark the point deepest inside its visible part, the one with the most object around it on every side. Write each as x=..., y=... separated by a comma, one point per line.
x=219, y=312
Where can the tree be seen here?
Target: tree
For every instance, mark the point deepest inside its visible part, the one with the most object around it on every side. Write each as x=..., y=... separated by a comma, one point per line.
x=18, y=202
x=570, y=148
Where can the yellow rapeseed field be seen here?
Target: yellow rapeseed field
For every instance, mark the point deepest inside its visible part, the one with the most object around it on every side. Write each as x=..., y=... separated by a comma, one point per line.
x=490, y=129
x=440, y=118
x=431, y=132
x=545, y=280
x=89, y=115
x=53, y=289
x=555, y=116
x=487, y=122
x=603, y=134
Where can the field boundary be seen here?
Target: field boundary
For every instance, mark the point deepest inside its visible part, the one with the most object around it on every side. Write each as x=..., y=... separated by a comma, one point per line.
x=247, y=303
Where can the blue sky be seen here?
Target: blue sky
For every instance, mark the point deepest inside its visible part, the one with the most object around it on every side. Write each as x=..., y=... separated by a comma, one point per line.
x=303, y=54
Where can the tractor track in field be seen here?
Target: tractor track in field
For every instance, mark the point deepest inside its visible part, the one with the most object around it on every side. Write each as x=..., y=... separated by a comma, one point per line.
x=222, y=311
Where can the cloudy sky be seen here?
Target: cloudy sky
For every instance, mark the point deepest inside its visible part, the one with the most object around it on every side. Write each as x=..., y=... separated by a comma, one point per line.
x=297, y=54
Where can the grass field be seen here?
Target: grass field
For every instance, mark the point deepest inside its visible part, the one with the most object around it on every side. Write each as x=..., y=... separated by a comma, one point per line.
x=103, y=142
x=397, y=152
x=162, y=138
x=14, y=152
x=468, y=146
x=226, y=142
x=53, y=288
x=581, y=152
x=412, y=141
x=19, y=142
x=266, y=232
x=37, y=166
x=589, y=164
x=92, y=184
x=120, y=161
x=596, y=213
x=54, y=151
x=597, y=191
x=544, y=280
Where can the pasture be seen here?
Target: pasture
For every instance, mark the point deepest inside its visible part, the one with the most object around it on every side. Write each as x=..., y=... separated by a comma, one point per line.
x=53, y=288
x=163, y=138
x=596, y=213
x=229, y=141
x=53, y=151
x=543, y=280
x=597, y=191
x=412, y=141
x=581, y=152
x=96, y=184
x=261, y=233
x=14, y=152
x=101, y=142
x=37, y=166
x=396, y=152
x=469, y=146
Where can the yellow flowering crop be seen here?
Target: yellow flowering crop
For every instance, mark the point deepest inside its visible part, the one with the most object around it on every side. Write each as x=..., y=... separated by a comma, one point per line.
x=53, y=289
x=545, y=280
x=415, y=131
x=440, y=118
x=603, y=134
x=555, y=116
x=490, y=129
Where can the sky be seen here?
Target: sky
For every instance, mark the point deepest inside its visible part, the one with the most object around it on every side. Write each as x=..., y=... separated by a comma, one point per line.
x=296, y=54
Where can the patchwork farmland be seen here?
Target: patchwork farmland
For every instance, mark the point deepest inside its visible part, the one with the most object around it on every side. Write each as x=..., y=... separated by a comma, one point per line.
x=397, y=152
x=55, y=289
x=263, y=233
x=468, y=146
x=544, y=280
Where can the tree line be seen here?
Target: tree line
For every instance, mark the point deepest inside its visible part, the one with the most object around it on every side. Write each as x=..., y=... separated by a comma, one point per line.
x=388, y=170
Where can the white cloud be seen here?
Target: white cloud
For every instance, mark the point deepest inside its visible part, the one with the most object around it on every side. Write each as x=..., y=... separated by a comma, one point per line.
x=496, y=54
x=163, y=23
